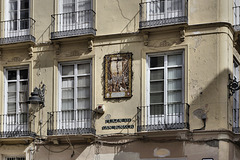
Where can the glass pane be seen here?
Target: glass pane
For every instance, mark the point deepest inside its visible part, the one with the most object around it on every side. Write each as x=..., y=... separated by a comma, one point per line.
x=67, y=104
x=156, y=74
x=13, y=25
x=24, y=74
x=83, y=103
x=67, y=83
x=11, y=107
x=67, y=115
x=174, y=60
x=67, y=93
x=24, y=4
x=11, y=86
x=67, y=70
x=83, y=81
x=83, y=69
x=175, y=96
x=13, y=5
x=175, y=108
x=12, y=75
x=23, y=107
x=174, y=73
x=84, y=115
x=83, y=93
x=84, y=5
x=156, y=61
x=174, y=84
x=156, y=97
x=156, y=86
x=11, y=96
x=13, y=16
x=24, y=24
x=23, y=96
x=24, y=86
x=156, y=109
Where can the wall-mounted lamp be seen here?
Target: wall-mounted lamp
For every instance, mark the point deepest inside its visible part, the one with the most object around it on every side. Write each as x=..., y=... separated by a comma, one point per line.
x=233, y=85
x=38, y=96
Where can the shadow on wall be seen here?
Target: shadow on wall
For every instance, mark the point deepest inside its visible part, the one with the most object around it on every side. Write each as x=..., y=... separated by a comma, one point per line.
x=62, y=152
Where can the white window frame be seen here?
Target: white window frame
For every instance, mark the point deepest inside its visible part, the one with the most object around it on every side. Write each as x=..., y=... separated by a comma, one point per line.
x=6, y=81
x=79, y=23
x=10, y=32
x=236, y=95
x=75, y=63
x=165, y=54
x=236, y=12
x=158, y=14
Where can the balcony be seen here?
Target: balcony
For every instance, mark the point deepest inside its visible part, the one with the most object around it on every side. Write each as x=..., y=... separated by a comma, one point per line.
x=163, y=117
x=163, y=12
x=16, y=31
x=17, y=125
x=70, y=122
x=73, y=24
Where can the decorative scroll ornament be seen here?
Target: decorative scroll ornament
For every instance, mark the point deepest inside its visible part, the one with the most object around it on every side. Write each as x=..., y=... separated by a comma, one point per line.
x=233, y=85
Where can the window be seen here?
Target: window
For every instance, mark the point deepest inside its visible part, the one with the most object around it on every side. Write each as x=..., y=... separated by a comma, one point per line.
x=75, y=14
x=162, y=9
x=236, y=98
x=16, y=95
x=17, y=17
x=165, y=86
x=75, y=93
x=236, y=12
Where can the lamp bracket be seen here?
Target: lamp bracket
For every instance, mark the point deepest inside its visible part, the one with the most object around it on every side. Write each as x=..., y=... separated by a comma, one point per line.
x=233, y=85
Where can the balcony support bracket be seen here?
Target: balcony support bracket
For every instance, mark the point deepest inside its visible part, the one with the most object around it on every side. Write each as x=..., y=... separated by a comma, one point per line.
x=30, y=53
x=182, y=34
x=57, y=48
x=90, y=45
x=145, y=39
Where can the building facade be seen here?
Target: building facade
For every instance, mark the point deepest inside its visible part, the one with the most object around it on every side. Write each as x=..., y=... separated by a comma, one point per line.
x=119, y=80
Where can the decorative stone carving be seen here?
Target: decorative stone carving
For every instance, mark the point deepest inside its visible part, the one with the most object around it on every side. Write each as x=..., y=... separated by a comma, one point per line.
x=90, y=45
x=30, y=51
x=57, y=48
x=145, y=39
x=182, y=34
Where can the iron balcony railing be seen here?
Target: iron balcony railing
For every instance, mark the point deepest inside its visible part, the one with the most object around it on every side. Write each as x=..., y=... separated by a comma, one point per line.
x=17, y=125
x=236, y=13
x=73, y=24
x=163, y=117
x=163, y=12
x=19, y=30
x=70, y=122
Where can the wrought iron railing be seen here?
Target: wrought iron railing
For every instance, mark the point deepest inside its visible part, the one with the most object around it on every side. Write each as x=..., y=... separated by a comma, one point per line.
x=236, y=14
x=73, y=24
x=17, y=125
x=163, y=117
x=19, y=30
x=163, y=12
x=70, y=122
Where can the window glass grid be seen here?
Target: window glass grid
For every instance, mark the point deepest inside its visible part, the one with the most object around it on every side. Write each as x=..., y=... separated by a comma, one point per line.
x=17, y=91
x=165, y=88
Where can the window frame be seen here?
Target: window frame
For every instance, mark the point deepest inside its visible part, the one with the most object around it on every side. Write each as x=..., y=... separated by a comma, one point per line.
x=75, y=63
x=164, y=53
x=236, y=95
x=18, y=80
